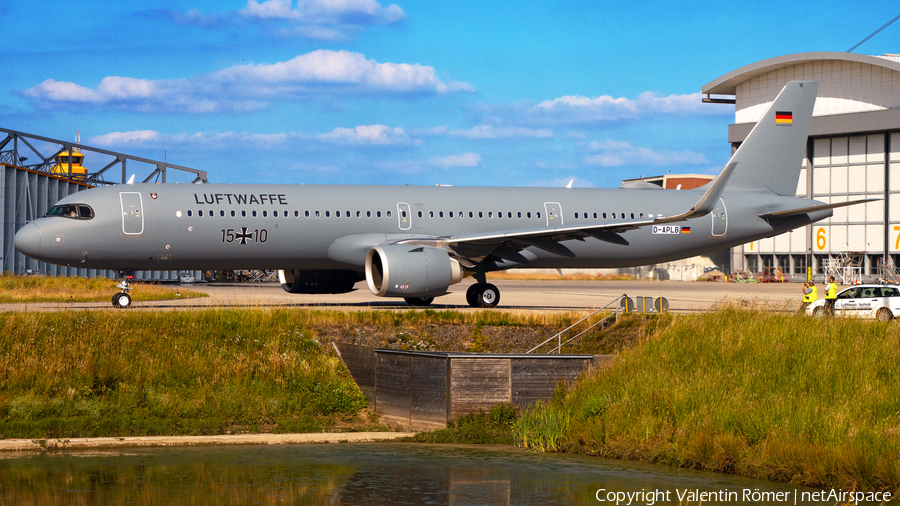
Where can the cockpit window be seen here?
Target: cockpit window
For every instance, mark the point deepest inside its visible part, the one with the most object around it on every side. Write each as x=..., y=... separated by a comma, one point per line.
x=77, y=211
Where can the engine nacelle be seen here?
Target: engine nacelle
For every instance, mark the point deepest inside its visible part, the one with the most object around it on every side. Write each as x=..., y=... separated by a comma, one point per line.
x=326, y=281
x=394, y=270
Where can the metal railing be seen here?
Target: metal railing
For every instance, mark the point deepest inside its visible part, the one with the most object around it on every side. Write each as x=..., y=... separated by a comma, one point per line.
x=558, y=337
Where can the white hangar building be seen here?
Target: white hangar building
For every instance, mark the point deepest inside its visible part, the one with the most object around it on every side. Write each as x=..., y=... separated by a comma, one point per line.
x=853, y=153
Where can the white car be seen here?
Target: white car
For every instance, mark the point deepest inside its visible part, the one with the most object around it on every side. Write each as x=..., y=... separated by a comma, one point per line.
x=881, y=302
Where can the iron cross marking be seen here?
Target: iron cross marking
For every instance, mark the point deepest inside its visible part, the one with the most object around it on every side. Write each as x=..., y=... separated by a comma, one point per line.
x=243, y=235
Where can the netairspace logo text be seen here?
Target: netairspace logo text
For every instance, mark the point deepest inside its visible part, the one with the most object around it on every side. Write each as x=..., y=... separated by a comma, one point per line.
x=742, y=496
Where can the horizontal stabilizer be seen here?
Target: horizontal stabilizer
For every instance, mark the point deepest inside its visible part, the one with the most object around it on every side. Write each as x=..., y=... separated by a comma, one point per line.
x=805, y=210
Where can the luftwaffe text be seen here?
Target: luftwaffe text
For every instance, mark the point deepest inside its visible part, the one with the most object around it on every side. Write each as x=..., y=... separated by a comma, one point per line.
x=242, y=198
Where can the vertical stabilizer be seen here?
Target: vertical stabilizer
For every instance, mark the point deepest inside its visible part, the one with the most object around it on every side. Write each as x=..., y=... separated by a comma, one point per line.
x=772, y=155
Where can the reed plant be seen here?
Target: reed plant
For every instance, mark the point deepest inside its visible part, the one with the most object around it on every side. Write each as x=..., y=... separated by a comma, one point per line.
x=772, y=396
x=18, y=289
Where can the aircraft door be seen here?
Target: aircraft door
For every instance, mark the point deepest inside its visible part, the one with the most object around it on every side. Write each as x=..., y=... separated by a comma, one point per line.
x=132, y=213
x=719, y=219
x=554, y=214
x=404, y=216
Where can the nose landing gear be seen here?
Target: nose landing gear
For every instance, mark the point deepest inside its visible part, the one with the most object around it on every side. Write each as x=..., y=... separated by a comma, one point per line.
x=122, y=300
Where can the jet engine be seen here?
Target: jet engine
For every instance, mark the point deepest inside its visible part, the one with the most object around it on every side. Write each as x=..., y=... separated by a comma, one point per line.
x=325, y=281
x=394, y=270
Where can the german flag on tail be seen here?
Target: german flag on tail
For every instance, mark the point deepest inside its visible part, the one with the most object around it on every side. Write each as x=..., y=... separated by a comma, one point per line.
x=784, y=118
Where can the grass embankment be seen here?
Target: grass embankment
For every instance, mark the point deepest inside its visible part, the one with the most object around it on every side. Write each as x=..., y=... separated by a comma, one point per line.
x=777, y=397
x=115, y=373
x=87, y=374
x=18, y=289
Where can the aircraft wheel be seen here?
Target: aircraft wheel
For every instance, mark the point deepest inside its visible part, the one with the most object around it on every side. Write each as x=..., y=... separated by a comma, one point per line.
x=471, y=295
x=121, y=300
x=419, y=301
x=884, y=315
x=487, y=295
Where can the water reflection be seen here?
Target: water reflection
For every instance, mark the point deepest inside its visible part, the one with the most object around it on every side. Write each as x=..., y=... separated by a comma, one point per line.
x=343, y=474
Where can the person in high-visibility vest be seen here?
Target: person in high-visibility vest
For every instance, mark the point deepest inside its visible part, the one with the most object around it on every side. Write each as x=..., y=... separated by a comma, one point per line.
x=830, y=295
x=809, y=296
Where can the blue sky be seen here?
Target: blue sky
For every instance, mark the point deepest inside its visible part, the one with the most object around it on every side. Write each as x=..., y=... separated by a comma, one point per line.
x=421, y=92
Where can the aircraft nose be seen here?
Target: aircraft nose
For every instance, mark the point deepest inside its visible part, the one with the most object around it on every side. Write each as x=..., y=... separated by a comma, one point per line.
x=28, y=240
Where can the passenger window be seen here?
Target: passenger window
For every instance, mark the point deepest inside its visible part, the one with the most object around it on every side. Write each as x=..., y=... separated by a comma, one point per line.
x=317, y=214
x=233, y=213
x=889, y=292
x=368, y=214
x=431, y=214
x=190, y=213
x=359, y=214
x=296, y=213
x=254, y=213
x=243, y=213
x=595, y=216
x=519, y=214
x=419, y=213
x=539, y=215
x=471, y=215
x=480, y=214
x=200, y=213
x=613, y=215
x=306, y=213
x=265, y=213
x=212, y=213
x=528, y=214
x=490, y=214
x=388, y=214
x=337, y=214
x=509, y=214
x=604, y=216
x=632, y=216
x=576, y=216
x=441, y=214
x=328, y=214
x=378, y=214
x=221, y=213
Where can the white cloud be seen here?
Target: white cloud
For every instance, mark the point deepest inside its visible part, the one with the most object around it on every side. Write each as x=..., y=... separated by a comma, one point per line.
x=145, y=137
x=464, y=160
x=579, y=109
x=368, y=135
x=247, y=88
x=616, y=154
x=122, y=138
x=325, y=11
x=335, y=20
x=491, y=132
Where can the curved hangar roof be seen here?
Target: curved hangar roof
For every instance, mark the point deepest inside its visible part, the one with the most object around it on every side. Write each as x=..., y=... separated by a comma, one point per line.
x=848, y=83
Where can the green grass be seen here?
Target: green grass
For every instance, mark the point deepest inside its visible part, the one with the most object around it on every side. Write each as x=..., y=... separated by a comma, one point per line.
x=778, y=397
x=20, y=289
x=480, y=427
x=85, y=374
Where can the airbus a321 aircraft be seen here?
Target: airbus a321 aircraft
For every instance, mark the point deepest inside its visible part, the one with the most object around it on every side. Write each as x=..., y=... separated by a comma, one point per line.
x=414, y=242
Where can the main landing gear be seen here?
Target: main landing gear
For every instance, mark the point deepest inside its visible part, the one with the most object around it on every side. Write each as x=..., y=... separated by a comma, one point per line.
x=483, y=295
x=122, y=300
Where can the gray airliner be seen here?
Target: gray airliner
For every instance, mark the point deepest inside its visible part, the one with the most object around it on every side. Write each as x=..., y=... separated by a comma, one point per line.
x=415, y=242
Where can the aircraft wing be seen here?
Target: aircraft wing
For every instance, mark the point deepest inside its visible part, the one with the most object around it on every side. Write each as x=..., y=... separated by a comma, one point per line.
x=548, y=239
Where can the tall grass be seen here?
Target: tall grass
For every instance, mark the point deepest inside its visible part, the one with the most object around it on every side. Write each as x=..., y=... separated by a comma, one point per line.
x=78, y=374
x=16, y=289
x=777, y=397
